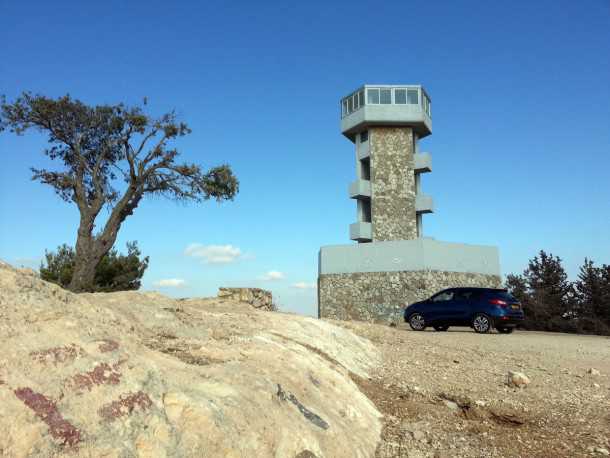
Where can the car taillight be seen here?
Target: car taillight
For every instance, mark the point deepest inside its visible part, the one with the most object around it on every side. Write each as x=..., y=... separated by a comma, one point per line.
x=499, y=302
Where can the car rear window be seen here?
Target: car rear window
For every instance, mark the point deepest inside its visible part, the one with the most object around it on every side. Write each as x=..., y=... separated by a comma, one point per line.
x=504, y=296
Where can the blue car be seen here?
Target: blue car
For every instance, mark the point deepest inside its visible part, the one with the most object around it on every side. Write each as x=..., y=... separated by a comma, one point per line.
x=480, y=308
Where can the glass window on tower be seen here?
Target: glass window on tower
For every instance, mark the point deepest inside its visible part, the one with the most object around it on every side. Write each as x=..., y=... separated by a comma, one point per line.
x=412, y=96
x=400, y=96
x=364, y=136
x=385, y=96
x=372, y=96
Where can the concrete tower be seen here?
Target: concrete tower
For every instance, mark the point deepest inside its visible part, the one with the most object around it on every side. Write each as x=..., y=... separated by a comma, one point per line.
x=392, y=263
x=386, y=123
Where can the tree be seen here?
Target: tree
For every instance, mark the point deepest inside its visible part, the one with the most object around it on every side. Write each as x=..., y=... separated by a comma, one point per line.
x=113, y=156
x=115, y=272
x=593, y=294
x=549, y=288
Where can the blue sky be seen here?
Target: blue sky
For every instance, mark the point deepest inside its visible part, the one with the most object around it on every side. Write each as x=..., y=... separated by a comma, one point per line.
x=521, y=141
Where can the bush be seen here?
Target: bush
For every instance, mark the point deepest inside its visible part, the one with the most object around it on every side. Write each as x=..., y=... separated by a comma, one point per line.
x=115, y=272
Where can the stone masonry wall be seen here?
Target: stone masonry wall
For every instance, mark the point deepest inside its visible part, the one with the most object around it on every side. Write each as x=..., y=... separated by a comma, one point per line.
x=258, y=298
x=379, y=296
x=392, y=183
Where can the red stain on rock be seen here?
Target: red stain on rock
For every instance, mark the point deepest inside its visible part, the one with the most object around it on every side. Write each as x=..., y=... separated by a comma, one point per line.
x=108, y=345
x=125, y=405
x=102, y=374
x=46, y=410
x=57, y=355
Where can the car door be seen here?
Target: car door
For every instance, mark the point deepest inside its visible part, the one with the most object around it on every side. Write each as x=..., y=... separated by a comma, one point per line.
x=439, y=305
x=459, y=310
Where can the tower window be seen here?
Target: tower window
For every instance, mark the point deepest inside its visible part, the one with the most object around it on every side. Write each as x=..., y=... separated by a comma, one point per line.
x=385, y=96
x=412, y=96
x=365, y=169
x=366, y=211
x=372, y=96
x=400, y=96
x=364, y=136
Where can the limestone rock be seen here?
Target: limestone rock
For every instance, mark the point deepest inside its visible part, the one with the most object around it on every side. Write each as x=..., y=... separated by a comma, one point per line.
x=258, y=298
x=141, y=374
x=518, y=379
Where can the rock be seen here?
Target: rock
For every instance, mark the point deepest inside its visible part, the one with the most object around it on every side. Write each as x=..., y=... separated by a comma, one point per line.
x=594, y=372
x=141, y=374
x=451, y=405
x=601, y=451
x=419, y=435
x=258, y=298
x=480, y=403
x=596, y=385
x=517, y=379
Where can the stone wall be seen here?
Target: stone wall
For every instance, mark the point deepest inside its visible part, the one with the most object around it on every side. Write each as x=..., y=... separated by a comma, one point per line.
x=259, y=298
x=392, y=183
x=379, y=296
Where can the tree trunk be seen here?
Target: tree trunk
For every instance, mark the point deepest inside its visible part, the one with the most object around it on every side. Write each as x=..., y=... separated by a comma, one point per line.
x=89, y=253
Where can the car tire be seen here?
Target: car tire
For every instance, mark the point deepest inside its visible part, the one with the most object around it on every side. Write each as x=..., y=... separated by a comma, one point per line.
x=441, y=328
x=417, y=322
x=481, y=323
x=505, y=330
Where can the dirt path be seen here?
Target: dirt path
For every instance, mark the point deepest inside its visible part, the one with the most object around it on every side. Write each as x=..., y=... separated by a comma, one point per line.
x=444, y=394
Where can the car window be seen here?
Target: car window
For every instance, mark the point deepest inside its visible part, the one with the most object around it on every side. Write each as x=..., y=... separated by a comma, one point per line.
x=463, y=295
x=442, y=297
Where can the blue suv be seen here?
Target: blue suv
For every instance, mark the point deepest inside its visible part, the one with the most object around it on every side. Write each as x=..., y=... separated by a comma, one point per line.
x=480, y=308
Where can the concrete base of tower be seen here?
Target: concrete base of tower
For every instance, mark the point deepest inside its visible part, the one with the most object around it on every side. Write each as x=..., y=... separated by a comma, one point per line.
x=373, y=281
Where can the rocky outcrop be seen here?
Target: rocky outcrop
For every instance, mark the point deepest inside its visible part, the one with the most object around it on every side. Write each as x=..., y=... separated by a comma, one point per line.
x=258, y=298
x=141, y=374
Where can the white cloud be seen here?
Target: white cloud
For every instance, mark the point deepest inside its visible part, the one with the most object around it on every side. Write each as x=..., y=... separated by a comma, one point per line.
x=214, y=254
x=273, y=275
x=171, y=283
x=304, y=285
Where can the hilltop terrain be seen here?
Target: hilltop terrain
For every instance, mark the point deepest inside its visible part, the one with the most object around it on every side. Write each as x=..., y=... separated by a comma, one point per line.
x=445, y=394
x=141, y=374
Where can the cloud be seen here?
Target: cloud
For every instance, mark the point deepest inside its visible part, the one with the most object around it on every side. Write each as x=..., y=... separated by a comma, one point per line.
x=214, y=254
x=171, y=283
x=273, y=275
x=304, y=285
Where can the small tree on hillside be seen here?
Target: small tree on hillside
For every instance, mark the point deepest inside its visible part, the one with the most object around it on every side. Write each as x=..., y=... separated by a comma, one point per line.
x=115, y=272
x=113, y=156
x=593, y=295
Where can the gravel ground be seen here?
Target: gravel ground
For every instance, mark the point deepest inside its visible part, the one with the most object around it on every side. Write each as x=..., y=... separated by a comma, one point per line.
x=445, y=394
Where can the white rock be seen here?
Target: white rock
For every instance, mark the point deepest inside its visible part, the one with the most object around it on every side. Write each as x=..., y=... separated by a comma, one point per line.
x=593, y=372
x=602, y=451
x=518, y=379
x=452, y=405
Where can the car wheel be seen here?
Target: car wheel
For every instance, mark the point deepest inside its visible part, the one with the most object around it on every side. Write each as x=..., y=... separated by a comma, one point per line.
x=481, y=323
x=505, y=330
x=417, y=322
x=441, y=328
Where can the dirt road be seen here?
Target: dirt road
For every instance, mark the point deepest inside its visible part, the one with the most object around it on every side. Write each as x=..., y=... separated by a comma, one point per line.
x=444, y=394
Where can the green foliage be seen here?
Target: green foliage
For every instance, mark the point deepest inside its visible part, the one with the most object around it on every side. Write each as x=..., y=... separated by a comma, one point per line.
x=115, y=272
x=552, y=303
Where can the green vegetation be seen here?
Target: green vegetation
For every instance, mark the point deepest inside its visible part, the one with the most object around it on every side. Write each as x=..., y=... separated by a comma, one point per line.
x=552, y=303
x=115, y=272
